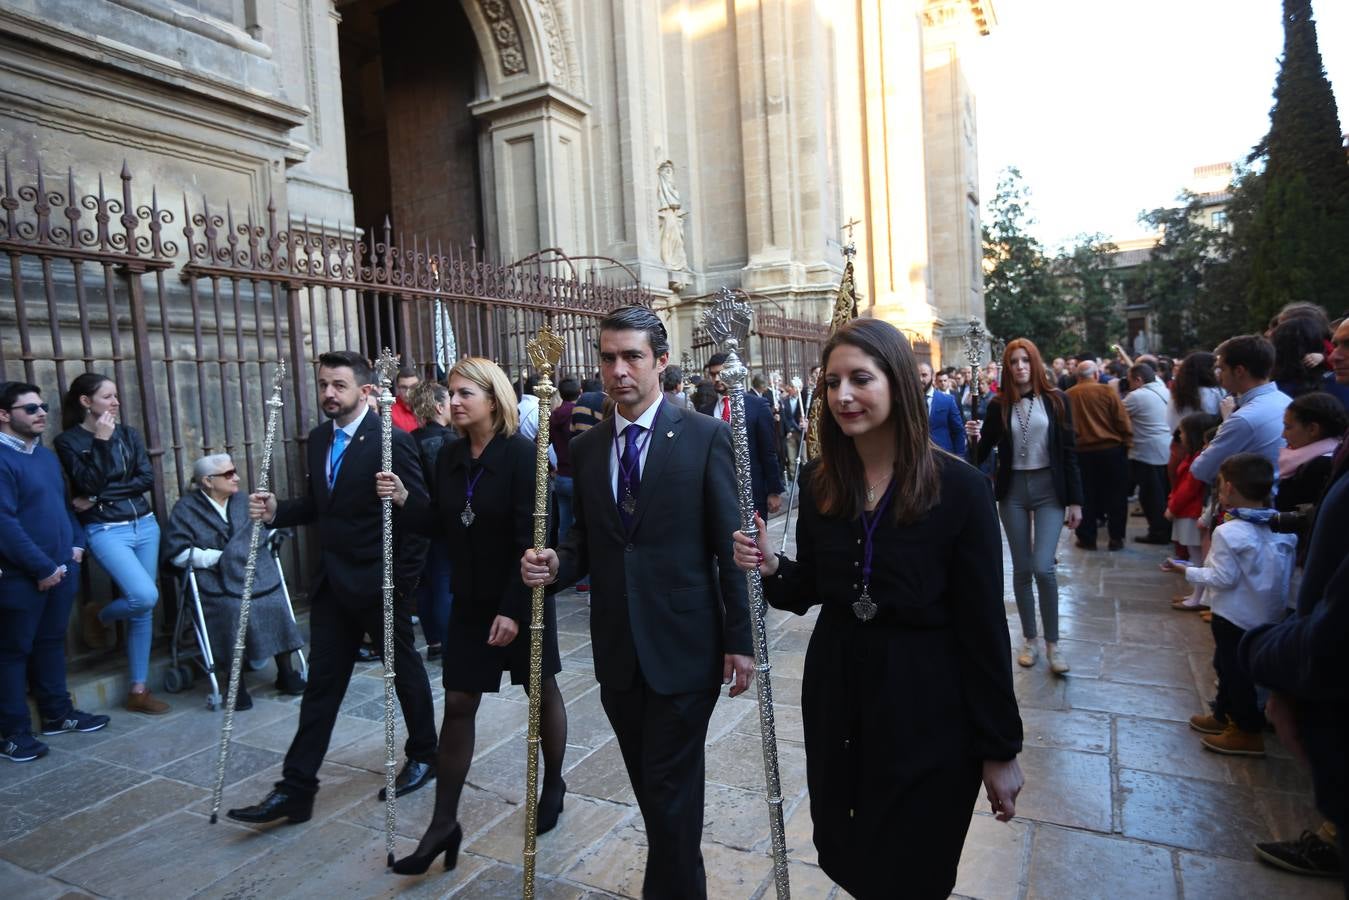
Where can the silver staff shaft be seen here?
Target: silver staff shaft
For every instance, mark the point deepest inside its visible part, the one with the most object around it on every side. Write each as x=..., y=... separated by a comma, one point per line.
x=246, y=596
x=388, y=367
x=767, y=726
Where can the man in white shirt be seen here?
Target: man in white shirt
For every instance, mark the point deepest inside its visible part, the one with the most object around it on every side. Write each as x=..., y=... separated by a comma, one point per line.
x=1151, y=449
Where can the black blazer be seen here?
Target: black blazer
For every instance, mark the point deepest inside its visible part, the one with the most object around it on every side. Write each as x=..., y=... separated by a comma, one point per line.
x=1062, y=451
x=349, y=520
x=116, y=471
x=484, y=557
x=667, y=597
x=765, y=470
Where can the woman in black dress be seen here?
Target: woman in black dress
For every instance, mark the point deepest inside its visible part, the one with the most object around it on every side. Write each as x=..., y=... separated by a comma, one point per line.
x=483, y=508
x=907, y=693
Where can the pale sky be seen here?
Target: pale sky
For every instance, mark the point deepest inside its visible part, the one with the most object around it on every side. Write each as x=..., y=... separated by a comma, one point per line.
x=1107, y=106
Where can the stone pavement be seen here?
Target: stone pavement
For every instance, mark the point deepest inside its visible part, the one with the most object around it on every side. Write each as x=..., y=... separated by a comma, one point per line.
x=1120, y=800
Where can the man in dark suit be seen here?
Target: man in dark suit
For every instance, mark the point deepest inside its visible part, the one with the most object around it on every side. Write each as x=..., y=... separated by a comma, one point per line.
x=347, y=599
x=764, y=467
x=792, y=415
x=947, y=427
x=655, y=507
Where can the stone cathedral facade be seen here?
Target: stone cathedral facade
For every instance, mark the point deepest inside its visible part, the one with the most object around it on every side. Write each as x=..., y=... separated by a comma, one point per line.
x=689, y=144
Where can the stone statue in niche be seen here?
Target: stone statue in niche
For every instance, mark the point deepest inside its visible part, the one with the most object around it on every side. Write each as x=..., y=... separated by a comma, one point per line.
x=671, y=219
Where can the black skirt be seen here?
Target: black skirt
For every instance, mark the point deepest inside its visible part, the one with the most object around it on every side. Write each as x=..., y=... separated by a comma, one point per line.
x=471, y=665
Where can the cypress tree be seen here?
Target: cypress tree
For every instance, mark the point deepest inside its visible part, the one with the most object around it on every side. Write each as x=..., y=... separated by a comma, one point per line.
x=1295, y=241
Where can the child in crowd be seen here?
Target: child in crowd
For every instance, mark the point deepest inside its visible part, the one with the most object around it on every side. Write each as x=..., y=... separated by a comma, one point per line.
x=1186, y=503
x=1245, y=578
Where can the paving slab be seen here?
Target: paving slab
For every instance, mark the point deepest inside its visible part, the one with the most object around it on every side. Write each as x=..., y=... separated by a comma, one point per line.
x=60, y=841
x=1176, y=704
x=1214, y=878
x=1066, y=787
x=1191, y=813
x=1147, y=665
x=992, y=861
x=1066, y=730
x=1066, y=863
x=21, y=884
x=583, y=824
x=174, y=857
x=58, y=792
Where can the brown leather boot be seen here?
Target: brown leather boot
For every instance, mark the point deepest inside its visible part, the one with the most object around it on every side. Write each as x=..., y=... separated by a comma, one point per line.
x=1235, y=742
x=145, y=702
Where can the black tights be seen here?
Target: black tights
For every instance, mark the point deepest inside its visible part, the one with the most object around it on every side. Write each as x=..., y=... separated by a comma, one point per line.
x=456, y=754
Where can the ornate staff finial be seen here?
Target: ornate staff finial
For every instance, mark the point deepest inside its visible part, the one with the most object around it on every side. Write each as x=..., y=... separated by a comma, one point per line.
x=728, y=319
x=386, y=367
x=545, y=351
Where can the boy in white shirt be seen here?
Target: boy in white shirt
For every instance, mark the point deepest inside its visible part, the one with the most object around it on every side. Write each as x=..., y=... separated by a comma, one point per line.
x=1245, y=578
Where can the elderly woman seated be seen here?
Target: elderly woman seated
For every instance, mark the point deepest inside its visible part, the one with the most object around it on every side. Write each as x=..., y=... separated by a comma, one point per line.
x=210, y=528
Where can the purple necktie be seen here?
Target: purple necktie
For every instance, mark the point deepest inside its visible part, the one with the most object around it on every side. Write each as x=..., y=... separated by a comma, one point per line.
x=629, y=474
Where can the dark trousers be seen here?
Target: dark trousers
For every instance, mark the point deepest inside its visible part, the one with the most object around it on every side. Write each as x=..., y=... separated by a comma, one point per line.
x=661, y=738
x=33, y=649
x=435, y=595
x=1153, y=488
x=1236, y=691
x=1105, y=485
x=335, y=635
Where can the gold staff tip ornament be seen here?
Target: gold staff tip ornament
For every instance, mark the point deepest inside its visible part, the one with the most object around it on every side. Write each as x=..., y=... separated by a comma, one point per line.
x=545, y=352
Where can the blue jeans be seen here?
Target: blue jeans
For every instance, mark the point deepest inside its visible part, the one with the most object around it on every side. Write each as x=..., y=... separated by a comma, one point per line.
x=1033, y=520
x=435, y=595
x=33, y=649
x=129, y=553
x=563, y=492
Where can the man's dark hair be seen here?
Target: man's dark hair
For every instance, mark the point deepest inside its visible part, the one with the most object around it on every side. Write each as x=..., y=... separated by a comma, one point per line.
x=1250, y=474
x=591, y=385
x=1143, y=372
x=408, y=372
x=11, y=391
x=716, y=359
x=569, y=388
x=672, y=378
x=639, y=318
x=349, y=359
x=1253, y=352
x=758, y=383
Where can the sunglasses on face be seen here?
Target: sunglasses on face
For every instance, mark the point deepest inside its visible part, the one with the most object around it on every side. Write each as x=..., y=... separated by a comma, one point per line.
x=31, y=408
x=229, y=473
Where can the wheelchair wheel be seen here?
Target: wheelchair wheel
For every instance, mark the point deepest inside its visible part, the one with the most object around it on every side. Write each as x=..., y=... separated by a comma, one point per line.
x=185, y=671
x=173, y=680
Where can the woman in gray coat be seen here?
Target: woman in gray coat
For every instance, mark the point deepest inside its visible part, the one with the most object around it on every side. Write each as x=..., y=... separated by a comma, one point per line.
x=210, y=528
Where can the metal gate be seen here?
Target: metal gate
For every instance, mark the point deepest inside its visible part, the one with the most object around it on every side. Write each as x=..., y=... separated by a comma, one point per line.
x=192, y=327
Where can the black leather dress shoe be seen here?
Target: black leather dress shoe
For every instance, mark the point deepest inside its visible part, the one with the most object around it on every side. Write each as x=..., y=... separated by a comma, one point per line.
x=293, y=808
x=413, y=776
x=366, y=653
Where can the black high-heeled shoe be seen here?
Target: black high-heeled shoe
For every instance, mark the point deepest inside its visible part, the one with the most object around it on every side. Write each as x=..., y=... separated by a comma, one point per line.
x=550, y=808
x=418, y=863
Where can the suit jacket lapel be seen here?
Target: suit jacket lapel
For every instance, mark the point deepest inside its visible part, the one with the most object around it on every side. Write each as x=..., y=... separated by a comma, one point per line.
x=665, y=432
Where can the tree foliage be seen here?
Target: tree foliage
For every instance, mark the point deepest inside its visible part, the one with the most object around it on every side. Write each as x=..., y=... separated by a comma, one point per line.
x=1022, y=294
x=1176, y=275
x=1088, y=278
x=1294, y=239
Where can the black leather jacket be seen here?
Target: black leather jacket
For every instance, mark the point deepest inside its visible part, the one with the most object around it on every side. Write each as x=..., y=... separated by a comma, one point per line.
x=114, y=473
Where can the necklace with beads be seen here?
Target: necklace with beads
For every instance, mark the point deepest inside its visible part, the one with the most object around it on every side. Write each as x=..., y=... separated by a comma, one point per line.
x=1024, y=449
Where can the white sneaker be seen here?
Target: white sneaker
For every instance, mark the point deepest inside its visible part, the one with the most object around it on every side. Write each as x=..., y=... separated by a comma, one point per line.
x=1028, y=654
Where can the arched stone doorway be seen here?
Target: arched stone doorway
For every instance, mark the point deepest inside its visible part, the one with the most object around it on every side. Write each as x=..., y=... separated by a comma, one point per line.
x=464, y=123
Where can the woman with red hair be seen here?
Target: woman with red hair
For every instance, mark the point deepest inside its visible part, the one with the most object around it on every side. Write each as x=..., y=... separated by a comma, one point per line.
x=1037, y=485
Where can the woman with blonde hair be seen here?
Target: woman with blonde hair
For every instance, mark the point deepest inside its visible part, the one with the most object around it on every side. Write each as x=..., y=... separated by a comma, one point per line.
x=482, y=508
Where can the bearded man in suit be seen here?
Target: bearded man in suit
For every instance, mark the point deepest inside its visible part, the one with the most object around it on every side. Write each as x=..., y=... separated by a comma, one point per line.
x=346, y=602
x=655, y=507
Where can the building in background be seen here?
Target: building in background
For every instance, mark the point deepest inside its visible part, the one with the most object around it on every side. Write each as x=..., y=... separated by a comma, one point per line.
x=689, y=144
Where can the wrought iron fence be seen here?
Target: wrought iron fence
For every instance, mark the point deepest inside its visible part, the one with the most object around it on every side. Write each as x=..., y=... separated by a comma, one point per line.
x=790, y=346
x=191, y=331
